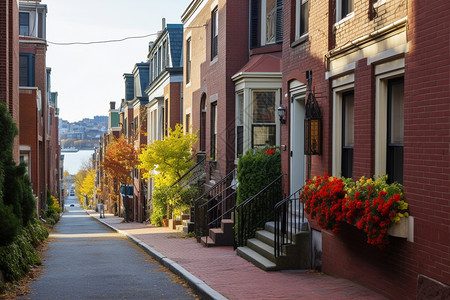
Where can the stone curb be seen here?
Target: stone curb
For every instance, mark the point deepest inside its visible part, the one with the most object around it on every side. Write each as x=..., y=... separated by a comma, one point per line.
x=205, y=291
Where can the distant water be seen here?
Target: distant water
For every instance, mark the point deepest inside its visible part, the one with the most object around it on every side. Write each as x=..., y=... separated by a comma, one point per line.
x=74, y=161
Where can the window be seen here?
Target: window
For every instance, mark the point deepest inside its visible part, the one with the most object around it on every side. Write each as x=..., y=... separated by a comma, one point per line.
x=188, y=122
x=214, y=32
x=164, y=53
x=26, y=70
x=188, y=60
x=395, y=130
x=343, y=8
x=166, y=118
x=347, y=134
x=301, y=18
x=203, y=123
x=240, y=125
x=213, y=153
x=24, y=23
x=263, y=126
x=266, y=22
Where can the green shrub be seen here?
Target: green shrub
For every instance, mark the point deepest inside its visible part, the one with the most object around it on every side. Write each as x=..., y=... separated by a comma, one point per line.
x=256, y=169
x=159, y=203
x=17, y=257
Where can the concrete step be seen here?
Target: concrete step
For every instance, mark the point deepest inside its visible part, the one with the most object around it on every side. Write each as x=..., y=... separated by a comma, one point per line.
x=207, y=241
x=179, y=228
x=256, y=258
x=262, y=248
x=265, y=236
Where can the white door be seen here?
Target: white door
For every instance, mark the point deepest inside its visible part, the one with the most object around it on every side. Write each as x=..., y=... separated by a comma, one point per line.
x=297, y=117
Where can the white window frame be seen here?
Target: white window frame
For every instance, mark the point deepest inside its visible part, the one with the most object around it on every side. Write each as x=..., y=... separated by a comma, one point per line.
x=339, y=5
x=340, y=86
x=383, y=73
x=247, y=121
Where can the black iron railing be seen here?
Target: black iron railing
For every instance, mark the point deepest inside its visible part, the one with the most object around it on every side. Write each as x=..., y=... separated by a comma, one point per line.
x=254, y=212
x=289, y=220
x=215, y=204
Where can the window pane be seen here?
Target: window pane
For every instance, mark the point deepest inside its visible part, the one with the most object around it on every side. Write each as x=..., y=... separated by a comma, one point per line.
x=24, y=24
x=213, y=153
x=394, y=155
x=23, y=70
x=396, y=107
x=271, y=20
x=263, y=136
x=348, y=107
x=240, y=114
x=264, y=107
x=304, y=20
x=347, y=7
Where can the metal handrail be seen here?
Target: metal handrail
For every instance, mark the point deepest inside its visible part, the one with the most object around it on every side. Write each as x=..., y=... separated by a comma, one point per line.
x=203, y=213
x=289, y=220
x=254, y=212
x=232, y=174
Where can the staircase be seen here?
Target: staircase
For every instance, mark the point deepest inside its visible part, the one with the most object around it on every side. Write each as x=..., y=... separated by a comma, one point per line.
x=222, y=236
x=260, y=250
x=284, y=243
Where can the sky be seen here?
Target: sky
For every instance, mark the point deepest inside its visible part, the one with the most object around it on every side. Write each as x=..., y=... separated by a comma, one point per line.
x=88, y=77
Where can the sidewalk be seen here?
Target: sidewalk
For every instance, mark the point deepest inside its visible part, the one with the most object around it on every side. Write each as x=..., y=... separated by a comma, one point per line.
x=219, y=273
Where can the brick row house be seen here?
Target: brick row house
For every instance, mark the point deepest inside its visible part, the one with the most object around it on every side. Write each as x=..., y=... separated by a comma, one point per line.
x=38, y=129
x=239, y=73
x=379, y=71
x=26, y=90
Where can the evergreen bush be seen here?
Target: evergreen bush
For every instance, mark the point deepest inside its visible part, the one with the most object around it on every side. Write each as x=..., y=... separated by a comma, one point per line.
x=256, y=169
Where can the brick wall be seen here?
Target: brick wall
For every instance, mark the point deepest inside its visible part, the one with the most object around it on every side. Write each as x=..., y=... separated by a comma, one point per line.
x=395, y=270
x=9, y=62
x=29, y=134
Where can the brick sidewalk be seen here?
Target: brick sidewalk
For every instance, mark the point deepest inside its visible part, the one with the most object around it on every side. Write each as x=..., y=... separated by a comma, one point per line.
x=232, y=276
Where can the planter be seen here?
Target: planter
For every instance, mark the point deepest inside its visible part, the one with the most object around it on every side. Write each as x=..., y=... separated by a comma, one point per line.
x=400, y=229
x=165, y=222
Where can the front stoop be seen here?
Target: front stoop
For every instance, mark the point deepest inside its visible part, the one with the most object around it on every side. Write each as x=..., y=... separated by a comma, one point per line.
x=260, y=251
x=223, y=236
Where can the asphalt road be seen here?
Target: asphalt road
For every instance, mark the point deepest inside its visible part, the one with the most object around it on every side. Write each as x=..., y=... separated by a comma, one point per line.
x=86, y=260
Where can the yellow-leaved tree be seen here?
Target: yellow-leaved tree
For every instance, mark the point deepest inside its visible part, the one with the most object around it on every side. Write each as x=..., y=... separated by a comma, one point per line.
x=88, y=185
x=167, y=161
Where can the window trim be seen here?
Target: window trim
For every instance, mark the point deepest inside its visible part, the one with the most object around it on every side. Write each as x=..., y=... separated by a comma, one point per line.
x=383, y=73
x=298, y=15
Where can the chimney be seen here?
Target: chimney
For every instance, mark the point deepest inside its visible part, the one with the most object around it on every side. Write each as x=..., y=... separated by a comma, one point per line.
x=112, y=105
x=163, y=23
x=150, y=45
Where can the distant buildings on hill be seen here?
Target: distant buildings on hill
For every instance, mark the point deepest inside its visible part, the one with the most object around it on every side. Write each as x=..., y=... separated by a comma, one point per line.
x=84, y=134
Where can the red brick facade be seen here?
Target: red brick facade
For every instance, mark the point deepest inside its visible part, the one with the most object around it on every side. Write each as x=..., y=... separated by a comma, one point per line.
x=211, y=77
x=9, y=62
x=424, y=52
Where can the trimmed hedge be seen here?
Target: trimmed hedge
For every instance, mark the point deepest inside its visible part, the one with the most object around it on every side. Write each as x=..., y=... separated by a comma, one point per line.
x=256, y=169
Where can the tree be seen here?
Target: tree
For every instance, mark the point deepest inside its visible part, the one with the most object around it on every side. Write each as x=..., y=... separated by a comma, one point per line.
x=120, y=159
x=169, y=158
x=87, y=188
